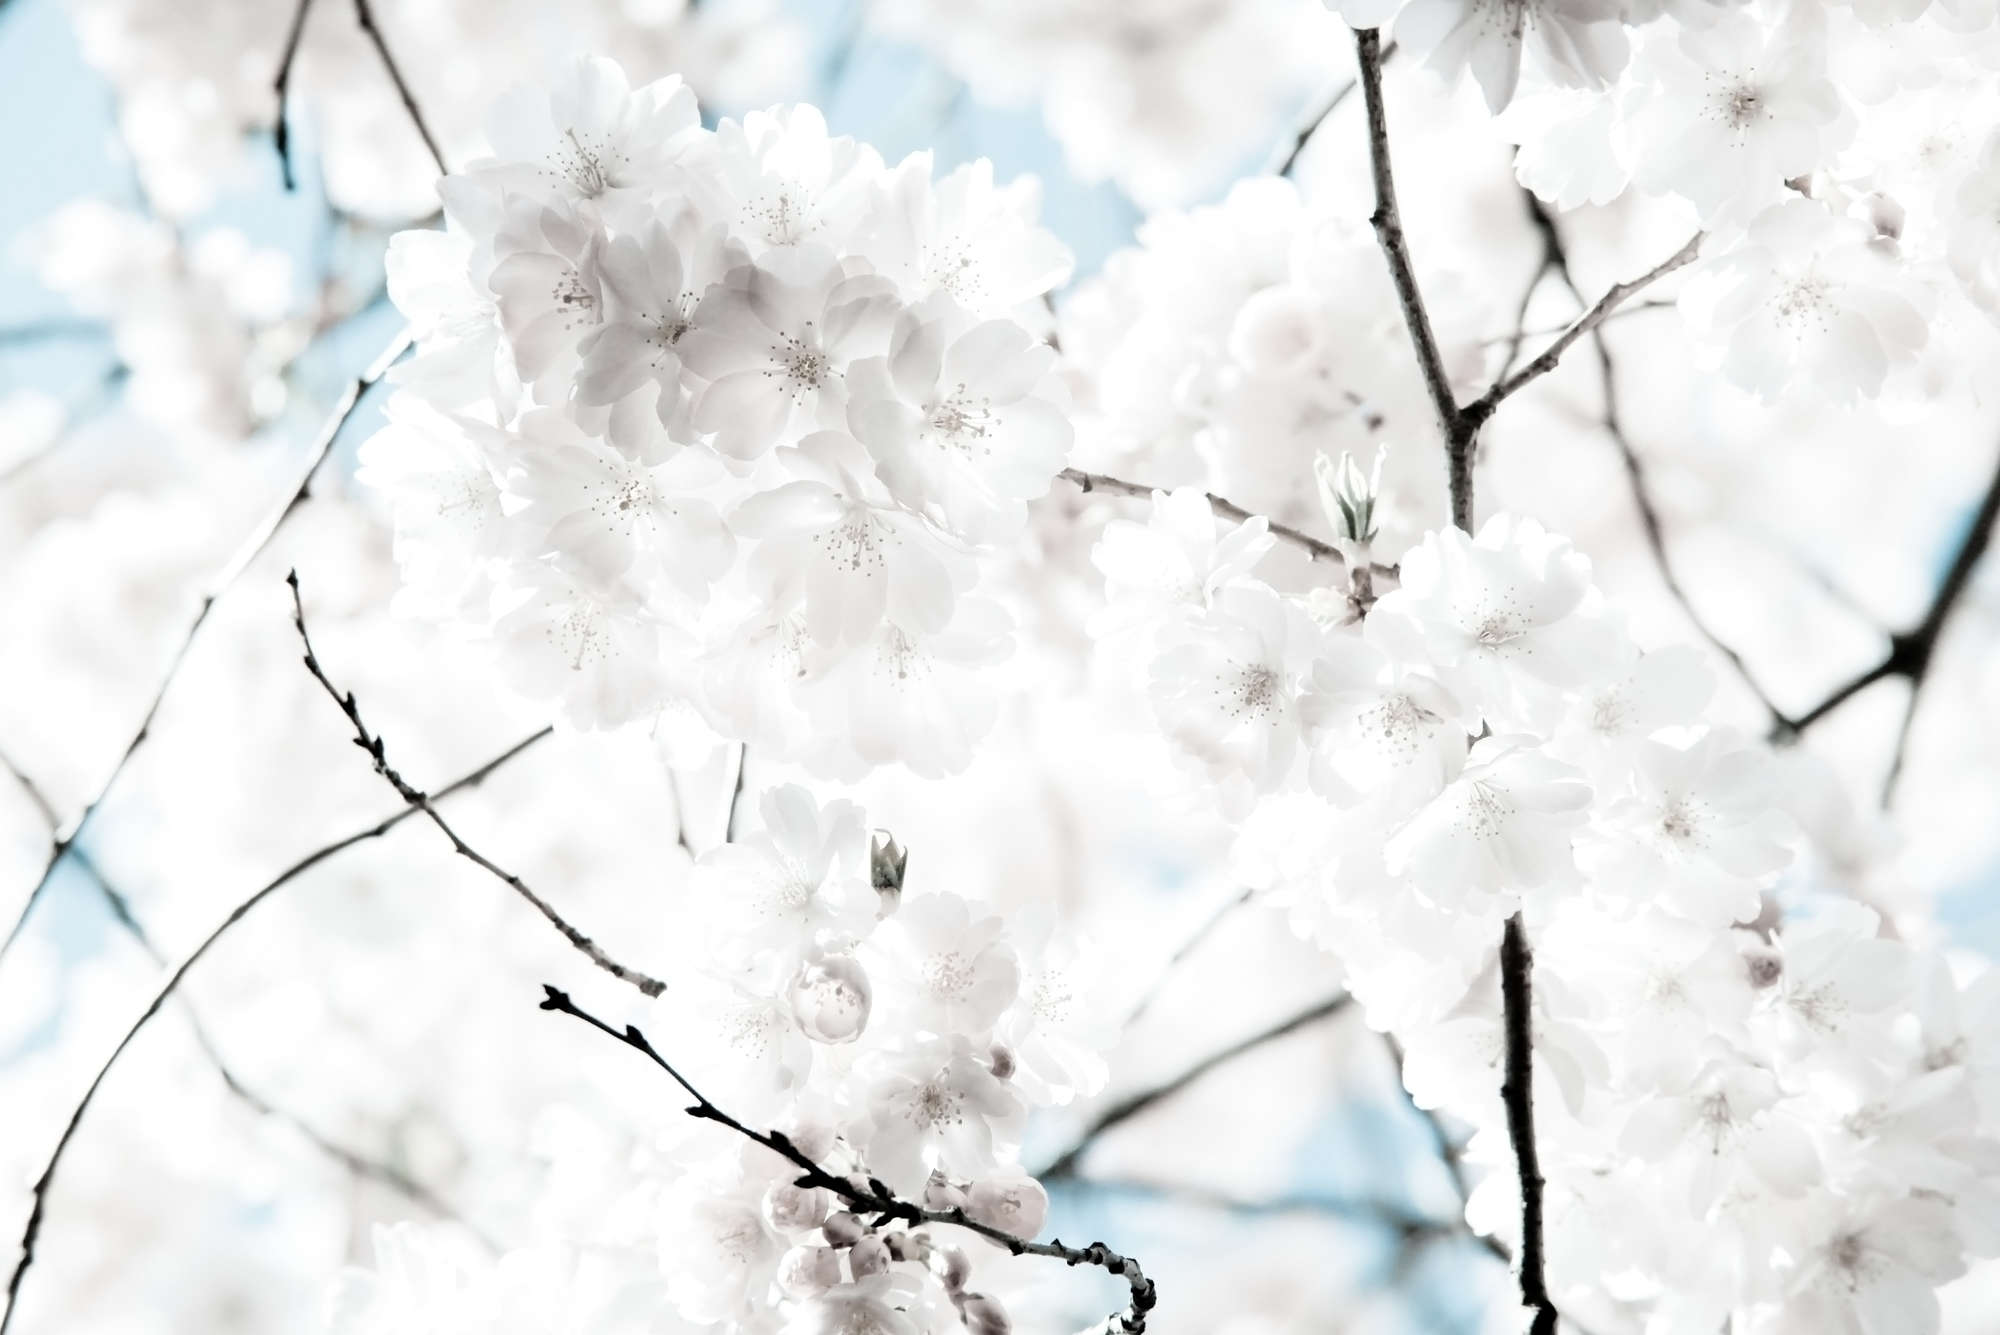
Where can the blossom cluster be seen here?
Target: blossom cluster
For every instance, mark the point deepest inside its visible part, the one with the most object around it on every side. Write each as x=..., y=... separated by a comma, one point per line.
x=1783, y=1119
x=196, y=101
x=1840, y=156
x=724, y=419
x=1239, y=341
x=896, y=1038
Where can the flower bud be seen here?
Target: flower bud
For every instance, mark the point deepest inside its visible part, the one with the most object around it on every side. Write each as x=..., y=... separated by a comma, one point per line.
x=908, y=1247
x=1001, y=1062
x=793, y=1209
x=952, y=1267
x=1015, y=1205
x=807, y=1272
x=1766, y=967
x=940, y=1194
x=831, y=998
x=983, y=1315
x=888, y=861
x=867, y=1257
x=842, y=1229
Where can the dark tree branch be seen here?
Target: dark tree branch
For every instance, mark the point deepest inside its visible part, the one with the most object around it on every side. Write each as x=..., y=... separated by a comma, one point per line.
x=1065, y=1164
x=1313, y=547
x=281, y=134
x=1912, y=651
x=40, y=1191
x=1556, y=258
x=1460, y=430
x=365, y=16
x=421, y=801
x=1517, y=1092
x=871, y=1196
x=252, y=547
x=1388, y=224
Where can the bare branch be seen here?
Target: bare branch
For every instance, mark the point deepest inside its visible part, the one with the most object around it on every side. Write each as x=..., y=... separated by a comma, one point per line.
x=1388, y=224
x=871, y=1196
x=1460, y=429
x=365, y=15
x=1483, y=407
x=1312, y=127
x=252, y=547
x=1066, y=1163
x=1911, y=651
x=1365, y=1210
x=420, y=801
x=1313, y=547
x=33, y=1229
x=1517, y=1092
x=281, y=133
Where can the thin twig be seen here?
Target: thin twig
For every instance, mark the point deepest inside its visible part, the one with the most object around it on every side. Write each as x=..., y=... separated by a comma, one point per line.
x=871, y=1196
x=1556, y=257
x=33, y=1229
x=1185, y=949
x=1066, y=1163
x=365, y=15
x=1911, y=651
x=421, y=801
x=1313, y=547
x=1366, y=1210
x=252, y=547
x=736, y=793
x=1311, y=127
x=1483, y=407
x=281, y=134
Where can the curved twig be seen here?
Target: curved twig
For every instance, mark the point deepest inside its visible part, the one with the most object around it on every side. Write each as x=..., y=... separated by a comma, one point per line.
x=252, y=547
x=874, y=1197
x=420, y=801
x=40, y=1191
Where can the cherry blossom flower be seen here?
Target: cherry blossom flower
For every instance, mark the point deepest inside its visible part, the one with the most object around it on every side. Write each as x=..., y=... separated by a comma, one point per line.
x=1502, y=825
x=960, y=420
x=957, y=971
x=936, y=1105
x=798, y=882
x=1575, y=41
x=592, y=139
x=1806, y=295
x=777, y=347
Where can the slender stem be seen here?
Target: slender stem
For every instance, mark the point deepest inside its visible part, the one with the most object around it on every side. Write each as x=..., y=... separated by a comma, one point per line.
x=1065, y=1164
x=736, y=793
x=421, y=801
x=281, y=133
x=871, y=1196
x=1312, y=127
x=252, y=547
x=365, y=15
x=1911, y=652
x=1313, y=547
x=1483, y=407
x=33, y=1229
